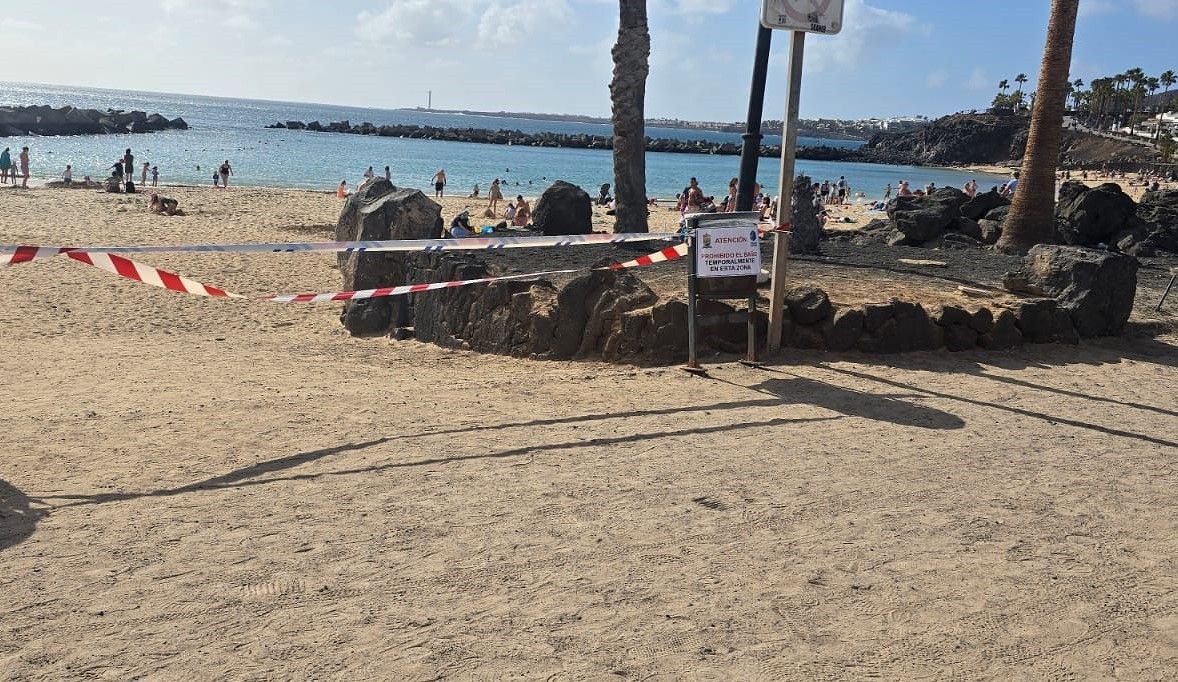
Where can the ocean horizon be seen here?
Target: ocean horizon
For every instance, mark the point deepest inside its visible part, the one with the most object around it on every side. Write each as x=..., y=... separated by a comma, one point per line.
x=234, y=129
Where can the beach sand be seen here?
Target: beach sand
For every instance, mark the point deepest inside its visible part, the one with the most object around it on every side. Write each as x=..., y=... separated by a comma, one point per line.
x=210, y=489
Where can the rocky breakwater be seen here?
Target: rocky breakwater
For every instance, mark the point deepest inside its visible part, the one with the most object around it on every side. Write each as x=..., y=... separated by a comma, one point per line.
x=46, y=120
x=579, y=141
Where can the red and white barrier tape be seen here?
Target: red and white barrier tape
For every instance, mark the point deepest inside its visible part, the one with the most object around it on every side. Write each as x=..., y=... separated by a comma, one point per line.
x=12, y=254
x=146, y=274
x=124, y=267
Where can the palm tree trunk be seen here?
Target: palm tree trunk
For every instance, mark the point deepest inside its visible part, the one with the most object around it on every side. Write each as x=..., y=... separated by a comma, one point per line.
x=1032, y=216
x=628, y=94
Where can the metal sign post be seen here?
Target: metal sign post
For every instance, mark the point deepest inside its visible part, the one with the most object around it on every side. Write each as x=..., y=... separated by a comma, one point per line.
x=785, y=191
x=725, y=259
x=800, y=17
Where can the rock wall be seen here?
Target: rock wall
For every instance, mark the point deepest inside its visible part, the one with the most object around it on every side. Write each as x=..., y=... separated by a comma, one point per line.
x=45, y=120
x=516, y=137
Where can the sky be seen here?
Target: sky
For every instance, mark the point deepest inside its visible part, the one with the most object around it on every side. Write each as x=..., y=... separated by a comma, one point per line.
x=893, y=57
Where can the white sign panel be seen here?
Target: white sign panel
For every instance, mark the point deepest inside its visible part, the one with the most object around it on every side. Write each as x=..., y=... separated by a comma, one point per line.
x=727, y=251
x=811, y=16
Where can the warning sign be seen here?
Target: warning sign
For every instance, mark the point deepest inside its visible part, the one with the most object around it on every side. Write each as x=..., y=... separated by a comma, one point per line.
x=727, y=251
x=811, y=16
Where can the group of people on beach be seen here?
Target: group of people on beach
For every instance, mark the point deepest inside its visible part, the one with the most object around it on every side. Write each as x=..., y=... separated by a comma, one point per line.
x=10, y=171
x=122, y=173
x=341, y=191
x=693, y=200
x=517, y=213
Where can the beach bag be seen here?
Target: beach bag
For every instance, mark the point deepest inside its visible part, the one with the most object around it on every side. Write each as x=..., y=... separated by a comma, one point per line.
x=130, y=187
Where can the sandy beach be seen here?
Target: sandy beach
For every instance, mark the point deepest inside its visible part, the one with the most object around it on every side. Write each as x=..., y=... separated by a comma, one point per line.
x=210, y=489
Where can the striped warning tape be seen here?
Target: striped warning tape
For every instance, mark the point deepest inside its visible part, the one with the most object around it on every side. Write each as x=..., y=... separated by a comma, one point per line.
x=125, y=267
x=11, y=254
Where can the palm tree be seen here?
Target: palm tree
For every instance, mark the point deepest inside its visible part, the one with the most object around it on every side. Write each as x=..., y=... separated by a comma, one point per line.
x=628, y=95
x=1003, y=85
x=1020, y=79
x=1166, y=80
x=1032, y=215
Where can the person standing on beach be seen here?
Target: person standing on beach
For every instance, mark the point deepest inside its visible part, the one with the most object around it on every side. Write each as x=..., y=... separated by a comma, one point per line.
x=216, y=178
x=24, y=167
x=888, y=192
x=155, y=176
x=439, y=181
x=388, y=174
x=6, y=165
x=226, y=171
x=129, y=165
x=368, y=174
x=495, y=195
x=143, y=178
x=68, y=176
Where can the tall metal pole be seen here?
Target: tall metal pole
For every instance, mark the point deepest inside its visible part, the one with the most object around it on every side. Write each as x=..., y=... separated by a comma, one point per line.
x=789, y=150
x=750, y=153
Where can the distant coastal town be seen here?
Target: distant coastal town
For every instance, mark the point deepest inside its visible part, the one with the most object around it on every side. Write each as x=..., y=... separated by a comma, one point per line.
x=829, y=128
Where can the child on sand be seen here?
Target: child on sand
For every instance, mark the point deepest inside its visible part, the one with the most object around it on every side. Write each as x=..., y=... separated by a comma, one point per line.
x=155, y=176
x=341, y=192
x=68, y=176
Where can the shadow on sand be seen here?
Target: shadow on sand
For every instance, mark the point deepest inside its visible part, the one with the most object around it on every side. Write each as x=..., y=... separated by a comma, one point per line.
x=17, y=519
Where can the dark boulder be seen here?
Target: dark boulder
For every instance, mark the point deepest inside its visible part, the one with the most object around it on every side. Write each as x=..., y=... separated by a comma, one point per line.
x=959, y=337
x=1063, y=330
x=380, y=211
x=179, y=124
x=1095, y=287
x=969, y=227
x=1035, y=319
x=876, y=314
x=999, y=214
x=808, y=305
x=1089, y=216
x=842, y=331
x=563, y=208
x=981, y=320
x=948, y=315
x=806, y=232
x=923, y=218
x=982, y=203
x=1004, y=334
x=991, y=230
x=1158, y=211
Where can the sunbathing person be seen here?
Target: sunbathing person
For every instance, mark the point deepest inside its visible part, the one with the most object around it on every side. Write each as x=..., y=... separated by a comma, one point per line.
x=164, y=205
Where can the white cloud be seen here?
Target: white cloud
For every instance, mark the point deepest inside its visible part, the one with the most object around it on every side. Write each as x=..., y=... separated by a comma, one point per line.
x=503, y=25
x=241, y=22
x=693, y=10
x=1158, y=9
x=1090, y=8
x=212, y=7
x=936, y=78
x=430, y=23
x=445, y=23
x=865, y=28
x=10, y=24
x=234, y=14
x=979, y=80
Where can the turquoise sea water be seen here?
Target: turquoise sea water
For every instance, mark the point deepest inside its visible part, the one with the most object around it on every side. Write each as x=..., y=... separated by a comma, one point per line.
x=234, y=129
